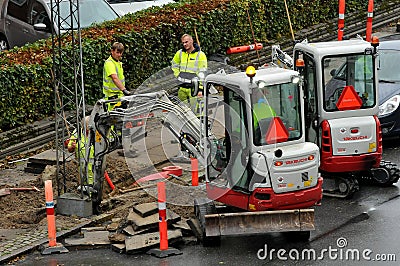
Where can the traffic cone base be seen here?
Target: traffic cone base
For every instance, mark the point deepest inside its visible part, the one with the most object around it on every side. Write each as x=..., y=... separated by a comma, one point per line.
x=57, y=249
x=164, y=253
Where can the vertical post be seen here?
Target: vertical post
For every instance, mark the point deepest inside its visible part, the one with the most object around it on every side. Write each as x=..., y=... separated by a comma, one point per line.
x=195, y=171
x=342, y=4
x=164, y=250
x=162, y=211
x=53, y=247
x=109, y=181
x=51, y=219
x=370, y=15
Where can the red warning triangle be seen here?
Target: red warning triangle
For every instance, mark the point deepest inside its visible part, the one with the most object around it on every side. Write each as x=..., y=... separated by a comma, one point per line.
x=349, y=99
x=277, y=131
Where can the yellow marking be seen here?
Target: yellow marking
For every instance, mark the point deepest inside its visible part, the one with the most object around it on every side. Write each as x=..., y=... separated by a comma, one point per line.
x=252, y=207
x=372, y=145
x=98, y=136
x=290, y=185
x=307, y=183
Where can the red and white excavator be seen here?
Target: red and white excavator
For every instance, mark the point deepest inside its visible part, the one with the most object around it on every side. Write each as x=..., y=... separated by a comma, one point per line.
x=341, y=107
x=257, y=164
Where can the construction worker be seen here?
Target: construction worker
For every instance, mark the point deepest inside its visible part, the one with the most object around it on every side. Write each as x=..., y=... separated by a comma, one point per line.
x=81, y=153
x=113, y=75
x=114, y=82
x=261, y=111
x=187, y=63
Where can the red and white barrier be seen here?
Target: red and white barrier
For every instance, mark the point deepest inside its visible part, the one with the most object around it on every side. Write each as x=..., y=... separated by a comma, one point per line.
x=164, y=250
x=195, y=171
x=244, y=48
x=370, y=15
x=342, y=4
x=53, y=247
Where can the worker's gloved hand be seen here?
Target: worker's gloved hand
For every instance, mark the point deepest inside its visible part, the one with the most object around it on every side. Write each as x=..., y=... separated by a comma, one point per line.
x=126, y=92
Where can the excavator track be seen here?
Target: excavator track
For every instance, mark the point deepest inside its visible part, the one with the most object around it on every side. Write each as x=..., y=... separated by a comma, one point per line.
x=341, y=186
x=345, y=186
x=386, y=175
x=202, y=207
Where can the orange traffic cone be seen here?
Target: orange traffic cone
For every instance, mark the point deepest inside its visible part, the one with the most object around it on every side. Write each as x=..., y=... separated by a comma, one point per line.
x=164, y=250
x=52, y=247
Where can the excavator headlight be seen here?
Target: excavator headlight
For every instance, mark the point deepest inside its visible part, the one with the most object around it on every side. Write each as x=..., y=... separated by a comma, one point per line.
x=261, y=84
x=295, y=79
x=250, y=71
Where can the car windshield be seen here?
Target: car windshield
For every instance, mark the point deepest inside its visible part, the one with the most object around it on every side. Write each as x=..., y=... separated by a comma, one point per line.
x=348, y=79
x=91, y=11
x=282, y=101
x=388, y=68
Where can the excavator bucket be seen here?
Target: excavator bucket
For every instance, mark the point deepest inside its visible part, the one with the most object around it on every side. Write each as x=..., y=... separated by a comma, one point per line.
x=243, y=223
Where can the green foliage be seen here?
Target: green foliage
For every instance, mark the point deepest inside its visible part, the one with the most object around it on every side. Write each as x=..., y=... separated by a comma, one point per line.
x=26, y=90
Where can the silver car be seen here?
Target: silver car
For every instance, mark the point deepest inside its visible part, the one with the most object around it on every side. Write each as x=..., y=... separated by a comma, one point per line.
x=123, y=7
x=26, y=21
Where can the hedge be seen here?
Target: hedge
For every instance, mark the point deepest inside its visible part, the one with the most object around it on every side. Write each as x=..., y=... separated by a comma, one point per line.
x=151, y=37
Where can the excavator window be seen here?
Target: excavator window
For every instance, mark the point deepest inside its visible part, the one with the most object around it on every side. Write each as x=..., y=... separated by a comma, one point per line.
x=349, y=70
x=281, y=101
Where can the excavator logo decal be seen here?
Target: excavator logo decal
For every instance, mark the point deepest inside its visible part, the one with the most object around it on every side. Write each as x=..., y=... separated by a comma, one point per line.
x=296, y=161
x=355, y=138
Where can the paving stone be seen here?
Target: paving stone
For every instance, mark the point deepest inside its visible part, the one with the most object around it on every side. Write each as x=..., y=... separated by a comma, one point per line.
x=112, y=227
x=196, y=228
x=91, y=229
x=142, y=242
x=117, y=238
x=120, y=248
x=131, y=232
x=146, y=209
x=184, y=226
x=95, y=238
x=151, y=221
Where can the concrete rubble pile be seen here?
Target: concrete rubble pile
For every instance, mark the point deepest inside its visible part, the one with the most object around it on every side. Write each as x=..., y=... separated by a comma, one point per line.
x=137, y=233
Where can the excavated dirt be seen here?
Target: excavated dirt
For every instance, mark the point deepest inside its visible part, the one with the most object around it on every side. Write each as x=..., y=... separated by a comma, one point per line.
x=26, y=209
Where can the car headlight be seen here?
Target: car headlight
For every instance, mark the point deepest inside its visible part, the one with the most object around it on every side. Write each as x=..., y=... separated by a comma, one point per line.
x=389, y=106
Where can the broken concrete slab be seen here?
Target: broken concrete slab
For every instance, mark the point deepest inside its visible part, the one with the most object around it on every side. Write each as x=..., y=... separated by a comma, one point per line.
x=184, y=227
x=151, y=221
x=196, y=228
x=91, y=229
x=146, y=209
x=190, y=240
x=90, y=239
x=117, y=238
x=120, y=248
x=37, y=163
x=138, y=243
x=128, y=230
x=113, y=226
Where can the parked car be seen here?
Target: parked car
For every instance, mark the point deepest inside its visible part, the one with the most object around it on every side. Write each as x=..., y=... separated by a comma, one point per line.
x=388, y=86
x=26, y=21
x=123, y=7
